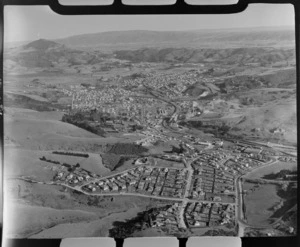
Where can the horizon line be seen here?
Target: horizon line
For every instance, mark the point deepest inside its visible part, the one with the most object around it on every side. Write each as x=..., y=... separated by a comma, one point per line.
x=153, y=30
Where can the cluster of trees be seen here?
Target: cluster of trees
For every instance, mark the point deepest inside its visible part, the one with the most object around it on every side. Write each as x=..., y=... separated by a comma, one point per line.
x=87, y=85
x=282, y=175
x=92, y=115
x=50, y=161
x=136, y=76
x=278, y=206
x=213, y=127
x=192, y=124
x=80, y=121
x=136, y=127
x=127, y=149
x=179, y=150
x=245, y=82
x=110, y=160
x=113, y=161
x=71, y=154
x=127, y=228
x=71, y=168
x=219, y=232
x=247, y=101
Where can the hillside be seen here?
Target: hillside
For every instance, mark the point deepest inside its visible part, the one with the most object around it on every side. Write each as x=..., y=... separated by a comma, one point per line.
x=47, y=54
x=229, y=56
x=276, y=121
x=42, y=44
x=229, y=46
x=38, y=131
x=23, y=101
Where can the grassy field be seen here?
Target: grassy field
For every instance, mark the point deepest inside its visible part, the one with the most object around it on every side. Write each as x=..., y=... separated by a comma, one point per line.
x=280, y=113
x=259, y=203
x=95, y=228
x=269, y=169
x=94, y=164
x=167, y=163
x=32, y=114
x=46, y=210
x=44, y=131
x=35, y=219
x=21, y=162
x=27, y=163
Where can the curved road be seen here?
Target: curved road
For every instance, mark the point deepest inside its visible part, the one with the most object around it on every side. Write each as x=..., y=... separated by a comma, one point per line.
x=240, y=212
x=79, y=189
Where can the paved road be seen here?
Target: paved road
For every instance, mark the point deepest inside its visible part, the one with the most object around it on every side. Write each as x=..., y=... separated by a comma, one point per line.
x=184, y=200
x=240, y=213
x=186, y=192
x=188, y=162
x=181, y=222
x=274, y=181
x=79, y=189
x=153, y=93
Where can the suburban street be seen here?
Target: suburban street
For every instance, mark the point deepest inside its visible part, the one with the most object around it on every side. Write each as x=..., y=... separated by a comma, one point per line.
x=78, y=188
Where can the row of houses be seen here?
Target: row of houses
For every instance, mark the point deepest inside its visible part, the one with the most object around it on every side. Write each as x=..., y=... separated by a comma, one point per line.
x=208, y=182
x=166, y=182
x=209, y=214
x=167, y=217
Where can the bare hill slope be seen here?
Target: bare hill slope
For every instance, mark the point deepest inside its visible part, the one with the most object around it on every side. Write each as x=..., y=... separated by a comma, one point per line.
x=275, y=121
x=40, y=133
x=47, y=54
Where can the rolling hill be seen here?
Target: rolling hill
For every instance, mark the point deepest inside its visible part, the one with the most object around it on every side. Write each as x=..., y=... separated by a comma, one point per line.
x=38, y=131
x=229, y=56
x=229, y=46
x=192, y=38
x=47, y=54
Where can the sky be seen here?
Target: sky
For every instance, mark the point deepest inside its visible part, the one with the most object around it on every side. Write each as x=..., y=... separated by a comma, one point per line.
x=27, y=23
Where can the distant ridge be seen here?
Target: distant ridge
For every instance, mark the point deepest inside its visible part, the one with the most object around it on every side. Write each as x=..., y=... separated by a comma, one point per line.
x=203, y=30
x=289, y=29
x=49, y=54
x=192, y=38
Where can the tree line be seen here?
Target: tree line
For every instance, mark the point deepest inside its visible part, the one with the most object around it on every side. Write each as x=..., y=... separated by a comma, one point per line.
x=71, y=154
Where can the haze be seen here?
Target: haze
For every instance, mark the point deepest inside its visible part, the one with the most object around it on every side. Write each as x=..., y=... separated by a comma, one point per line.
x=30, y=23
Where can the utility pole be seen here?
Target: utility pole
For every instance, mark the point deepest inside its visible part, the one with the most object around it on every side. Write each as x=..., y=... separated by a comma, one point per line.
x=72, y=102
x=19, y=190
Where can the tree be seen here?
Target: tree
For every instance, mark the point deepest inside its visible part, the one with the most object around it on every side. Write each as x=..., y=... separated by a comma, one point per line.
x=284, y=186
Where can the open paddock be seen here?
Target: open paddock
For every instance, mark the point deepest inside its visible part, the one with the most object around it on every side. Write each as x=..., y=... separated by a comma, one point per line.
x=269, y=169
x=168, y=163
x=259, y=202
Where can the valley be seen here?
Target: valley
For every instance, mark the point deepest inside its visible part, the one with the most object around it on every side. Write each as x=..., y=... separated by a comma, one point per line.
x=151, y=133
